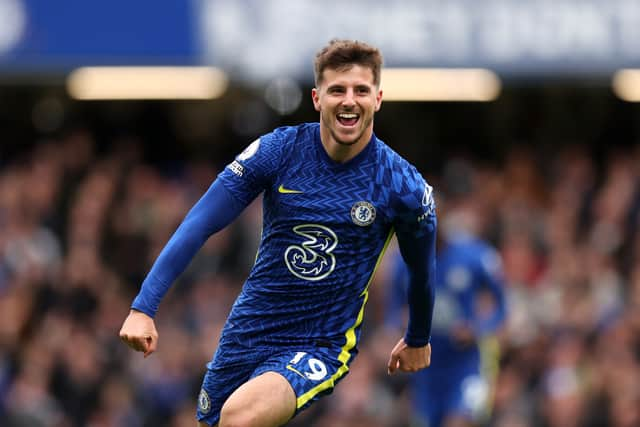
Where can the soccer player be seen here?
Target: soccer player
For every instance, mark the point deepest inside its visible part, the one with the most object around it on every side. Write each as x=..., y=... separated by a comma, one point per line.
x=469, y=308
x=333, y=196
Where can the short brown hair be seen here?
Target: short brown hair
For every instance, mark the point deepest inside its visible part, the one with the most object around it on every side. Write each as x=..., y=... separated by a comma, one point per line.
x=342, y=54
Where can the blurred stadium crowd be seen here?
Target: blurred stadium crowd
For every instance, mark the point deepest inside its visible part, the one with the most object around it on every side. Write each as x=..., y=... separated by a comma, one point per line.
x=79, y=230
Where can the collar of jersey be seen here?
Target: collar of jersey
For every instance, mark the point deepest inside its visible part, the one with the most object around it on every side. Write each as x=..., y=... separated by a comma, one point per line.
x=337, y=165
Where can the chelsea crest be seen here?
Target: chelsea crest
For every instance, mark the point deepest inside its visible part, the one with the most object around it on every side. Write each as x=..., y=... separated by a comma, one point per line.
x=363, y=213
x=203, y=402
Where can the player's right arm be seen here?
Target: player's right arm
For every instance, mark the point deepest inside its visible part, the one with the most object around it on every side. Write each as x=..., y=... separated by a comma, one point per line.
x=236, y=186
x=214, y=211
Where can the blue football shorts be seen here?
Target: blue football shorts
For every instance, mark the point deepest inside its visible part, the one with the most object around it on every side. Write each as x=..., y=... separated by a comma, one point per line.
x=312, y=373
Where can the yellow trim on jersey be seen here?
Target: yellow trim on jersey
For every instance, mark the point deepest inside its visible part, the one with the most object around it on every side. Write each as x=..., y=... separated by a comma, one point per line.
x=350, y=335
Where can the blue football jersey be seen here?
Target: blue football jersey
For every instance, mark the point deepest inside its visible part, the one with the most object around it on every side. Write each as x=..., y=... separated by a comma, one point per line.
x=325, y=228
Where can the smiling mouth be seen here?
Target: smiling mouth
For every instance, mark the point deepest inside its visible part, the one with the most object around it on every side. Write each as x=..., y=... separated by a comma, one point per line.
x=348, y=119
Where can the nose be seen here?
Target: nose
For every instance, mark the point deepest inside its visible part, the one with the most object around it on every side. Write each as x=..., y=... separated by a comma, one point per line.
x=349, y=98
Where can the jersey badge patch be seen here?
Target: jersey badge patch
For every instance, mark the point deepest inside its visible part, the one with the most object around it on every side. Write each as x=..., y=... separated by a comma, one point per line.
x=250, y=150
x=203, y=402
x=363, y=213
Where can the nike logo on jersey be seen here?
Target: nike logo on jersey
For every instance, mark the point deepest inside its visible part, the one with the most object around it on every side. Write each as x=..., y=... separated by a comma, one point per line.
x=283, y=190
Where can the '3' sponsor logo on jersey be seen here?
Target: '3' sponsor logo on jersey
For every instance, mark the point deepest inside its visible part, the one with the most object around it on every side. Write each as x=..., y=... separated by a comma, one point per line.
x=313, y=258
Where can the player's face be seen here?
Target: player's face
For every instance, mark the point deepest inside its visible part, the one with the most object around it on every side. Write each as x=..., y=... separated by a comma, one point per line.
x=347, y=101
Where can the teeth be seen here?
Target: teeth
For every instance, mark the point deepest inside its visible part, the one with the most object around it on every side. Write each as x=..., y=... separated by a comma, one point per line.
x=348, y=115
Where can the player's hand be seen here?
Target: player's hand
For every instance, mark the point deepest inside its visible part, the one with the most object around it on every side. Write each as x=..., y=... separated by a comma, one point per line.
x=409, y=359
x=139, y=332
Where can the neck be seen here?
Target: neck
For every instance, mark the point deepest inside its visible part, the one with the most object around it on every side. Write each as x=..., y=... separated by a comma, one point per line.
x=343, y=152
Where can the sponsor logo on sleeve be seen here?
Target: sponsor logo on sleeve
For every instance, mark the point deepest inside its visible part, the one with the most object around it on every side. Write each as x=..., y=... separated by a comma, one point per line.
x=427, y=197
x=236, y=168
x=427, y=203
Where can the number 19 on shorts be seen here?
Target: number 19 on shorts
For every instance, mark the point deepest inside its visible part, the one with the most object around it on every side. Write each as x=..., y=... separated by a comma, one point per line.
x=307, y=367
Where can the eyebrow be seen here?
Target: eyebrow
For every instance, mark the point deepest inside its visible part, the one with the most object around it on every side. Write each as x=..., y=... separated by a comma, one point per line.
x=359, y=86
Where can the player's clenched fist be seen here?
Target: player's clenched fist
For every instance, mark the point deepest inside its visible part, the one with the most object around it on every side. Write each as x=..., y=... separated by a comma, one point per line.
x=409, y=359
x=139, y=332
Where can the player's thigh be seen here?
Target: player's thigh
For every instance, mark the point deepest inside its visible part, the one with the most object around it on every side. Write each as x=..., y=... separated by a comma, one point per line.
x=311, y=372
x=267, y=400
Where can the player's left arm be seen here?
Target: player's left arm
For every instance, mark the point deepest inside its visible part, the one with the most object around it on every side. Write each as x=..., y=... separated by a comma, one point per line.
x=417, y=242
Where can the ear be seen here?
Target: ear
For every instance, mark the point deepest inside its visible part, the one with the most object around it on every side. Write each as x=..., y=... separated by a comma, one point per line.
x=379, y=100
x=315, y=96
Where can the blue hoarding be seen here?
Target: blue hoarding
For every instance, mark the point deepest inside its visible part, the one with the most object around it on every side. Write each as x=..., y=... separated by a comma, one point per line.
x=45, y=34
x=258, y=39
